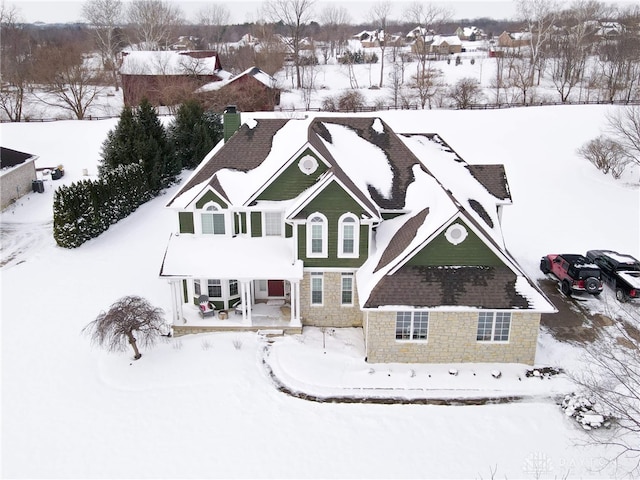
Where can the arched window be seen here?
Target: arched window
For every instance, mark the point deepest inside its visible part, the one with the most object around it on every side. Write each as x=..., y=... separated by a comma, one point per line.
x=213, y=221
x=316, y=235
x=348, y=236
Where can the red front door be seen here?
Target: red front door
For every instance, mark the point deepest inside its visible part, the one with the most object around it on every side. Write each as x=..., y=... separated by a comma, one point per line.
x=275, y=288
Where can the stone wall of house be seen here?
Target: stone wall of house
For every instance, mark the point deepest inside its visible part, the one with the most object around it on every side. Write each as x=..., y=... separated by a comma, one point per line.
x=451, y=339
x=331, y=313
x=16, y=182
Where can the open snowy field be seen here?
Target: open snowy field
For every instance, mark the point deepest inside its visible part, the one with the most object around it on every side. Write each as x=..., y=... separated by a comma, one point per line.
x=205, y=406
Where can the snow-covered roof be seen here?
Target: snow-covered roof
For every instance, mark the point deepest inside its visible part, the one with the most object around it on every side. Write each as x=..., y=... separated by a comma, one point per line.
x=167, y=63
x=448, y=39
x=254, y=72
x=192, y=256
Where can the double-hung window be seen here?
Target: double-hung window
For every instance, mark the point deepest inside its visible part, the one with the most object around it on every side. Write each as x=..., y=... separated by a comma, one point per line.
x=317, y=287
x=196, y=287
x=493, y=326
x=273, y=224
x=214, y=288
x=233, y=288
x=347, y=289
x=317, y=235
x=412, y=325
x=348, y=235
x=213, y=220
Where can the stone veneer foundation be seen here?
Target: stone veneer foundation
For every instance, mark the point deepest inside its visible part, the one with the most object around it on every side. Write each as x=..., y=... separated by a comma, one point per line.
x=451, y=339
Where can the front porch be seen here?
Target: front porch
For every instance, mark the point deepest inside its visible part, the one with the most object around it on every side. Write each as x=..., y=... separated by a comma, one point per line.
x=265, y=315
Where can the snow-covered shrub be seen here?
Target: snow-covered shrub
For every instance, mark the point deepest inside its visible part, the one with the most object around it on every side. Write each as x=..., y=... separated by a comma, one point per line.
x=585, y=411
x=237, y=343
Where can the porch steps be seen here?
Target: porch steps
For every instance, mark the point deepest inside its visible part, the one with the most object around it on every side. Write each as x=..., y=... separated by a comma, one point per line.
x=269, y=333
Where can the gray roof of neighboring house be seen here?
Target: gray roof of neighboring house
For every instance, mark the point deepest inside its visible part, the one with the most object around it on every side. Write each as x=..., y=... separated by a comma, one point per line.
x=11, y=158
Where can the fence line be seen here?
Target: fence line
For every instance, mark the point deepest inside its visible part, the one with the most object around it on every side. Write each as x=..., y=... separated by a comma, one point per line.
x=474, y=106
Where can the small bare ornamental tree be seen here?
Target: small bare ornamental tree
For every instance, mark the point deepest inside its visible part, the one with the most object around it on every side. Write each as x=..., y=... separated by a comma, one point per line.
x=130, y=315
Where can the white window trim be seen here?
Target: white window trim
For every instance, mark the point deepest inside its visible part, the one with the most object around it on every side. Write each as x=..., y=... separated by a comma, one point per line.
x=220, y=211
x=411, y=328
x=493, y=328
x=325, y=236
x=264, y=223
x=342, y=277
x=317, y=275
x=356, y=236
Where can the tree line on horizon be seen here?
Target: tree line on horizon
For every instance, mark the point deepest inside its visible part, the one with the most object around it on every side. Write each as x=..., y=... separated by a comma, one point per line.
x=55, y=63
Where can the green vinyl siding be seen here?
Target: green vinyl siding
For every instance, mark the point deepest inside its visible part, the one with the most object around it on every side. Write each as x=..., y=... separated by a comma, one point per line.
x=333, y=202
x=471, y=252
x=256, y=224
x=185, y=220
x=288, y=230
x=292, y=182
x=210, y=197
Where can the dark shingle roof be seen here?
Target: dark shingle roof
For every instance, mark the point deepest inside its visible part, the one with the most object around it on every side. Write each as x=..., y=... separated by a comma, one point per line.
x=244, y=151
x=401, y=159
x=11, y=158
x=494, y=179
x=481, y=287
x=402, y=238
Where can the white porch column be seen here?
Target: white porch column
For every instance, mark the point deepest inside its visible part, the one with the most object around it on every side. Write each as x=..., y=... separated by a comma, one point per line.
x=295, y=303
x=176, y=300
x=245, y=300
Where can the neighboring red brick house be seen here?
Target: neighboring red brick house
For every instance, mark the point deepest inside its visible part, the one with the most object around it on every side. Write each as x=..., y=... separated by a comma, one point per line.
x=167, y=77
x=251, y=90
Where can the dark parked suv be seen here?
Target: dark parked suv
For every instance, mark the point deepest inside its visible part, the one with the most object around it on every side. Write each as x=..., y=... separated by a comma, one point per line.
x=619, y=270
x=576, y=273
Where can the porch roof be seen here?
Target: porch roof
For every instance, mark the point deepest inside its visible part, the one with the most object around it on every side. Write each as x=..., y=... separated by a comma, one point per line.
x=242, y=258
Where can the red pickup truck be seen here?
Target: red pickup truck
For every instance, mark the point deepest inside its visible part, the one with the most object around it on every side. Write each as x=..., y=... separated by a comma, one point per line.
x=576, y=273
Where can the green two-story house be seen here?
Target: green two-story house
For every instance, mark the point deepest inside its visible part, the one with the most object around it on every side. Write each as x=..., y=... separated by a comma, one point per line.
x=342, y=222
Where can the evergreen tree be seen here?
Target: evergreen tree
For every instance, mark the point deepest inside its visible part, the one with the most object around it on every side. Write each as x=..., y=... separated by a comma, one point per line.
x=153, y=148
x=193, y=133
x=118, y=148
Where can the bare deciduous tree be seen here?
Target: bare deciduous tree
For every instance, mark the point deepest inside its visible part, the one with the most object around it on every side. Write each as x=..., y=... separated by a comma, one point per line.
x=154, y=22
x=379, y=14
x=105, y=16
x=427, y=83
x=214, y=18
x=70, y=82
x=539, y=17
x=334, y=21
x=427, y=17
x=611, y=378
x=624, y=125
x=16, y=61
x=294, y=15
x=465, y=93
x=127, y=318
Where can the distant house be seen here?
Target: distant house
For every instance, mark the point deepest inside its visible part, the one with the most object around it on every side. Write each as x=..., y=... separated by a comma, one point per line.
x=17, y=173
x=445, y=45
x=167, y=77
x=251, y=90
x=344, y=222
x=187, y=43
x=514, y=39
x=471, y=34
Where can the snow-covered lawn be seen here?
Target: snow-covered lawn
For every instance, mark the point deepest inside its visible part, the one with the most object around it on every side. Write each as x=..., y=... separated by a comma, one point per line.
x=206, y=406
